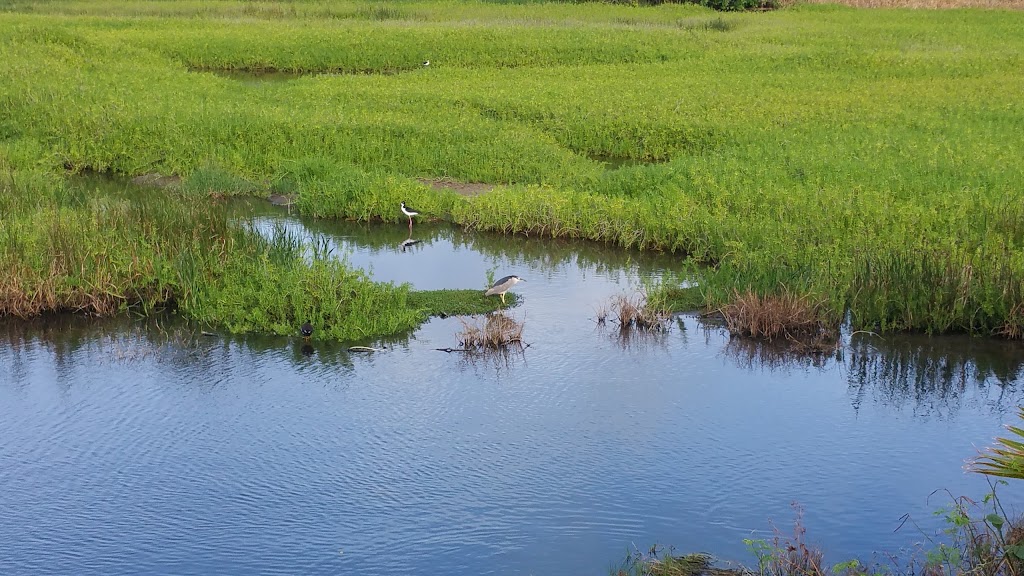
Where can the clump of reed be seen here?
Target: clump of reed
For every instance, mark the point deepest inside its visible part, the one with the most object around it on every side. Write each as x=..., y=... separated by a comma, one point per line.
x=784, y=315
x=492, y=332
x=664, y=562
x=636, y=312
x=789, y=555
x=1012, y=327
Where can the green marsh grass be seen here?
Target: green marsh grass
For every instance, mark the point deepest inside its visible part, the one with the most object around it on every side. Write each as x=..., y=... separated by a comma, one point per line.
x=77, y=248
x=866, y=160
x=279, y=282
x=457, y=302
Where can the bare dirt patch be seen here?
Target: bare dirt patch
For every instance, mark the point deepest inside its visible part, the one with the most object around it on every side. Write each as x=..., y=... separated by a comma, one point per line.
x=462, y=188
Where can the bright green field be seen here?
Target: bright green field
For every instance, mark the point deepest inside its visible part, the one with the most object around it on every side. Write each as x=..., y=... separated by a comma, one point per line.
x=870, y=159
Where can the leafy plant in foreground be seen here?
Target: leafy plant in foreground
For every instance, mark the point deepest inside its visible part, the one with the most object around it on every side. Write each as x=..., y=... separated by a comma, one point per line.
x=1006, y=458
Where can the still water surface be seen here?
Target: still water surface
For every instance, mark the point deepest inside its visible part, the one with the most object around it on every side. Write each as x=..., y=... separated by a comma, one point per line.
x=131, y=447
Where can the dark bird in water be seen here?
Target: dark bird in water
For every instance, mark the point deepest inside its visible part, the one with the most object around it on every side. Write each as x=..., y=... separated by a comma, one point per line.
x=502, y=286
x=306, y=330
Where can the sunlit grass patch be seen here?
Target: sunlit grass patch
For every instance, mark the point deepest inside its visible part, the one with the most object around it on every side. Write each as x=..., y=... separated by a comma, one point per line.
x=457, y=302
x=212, y=180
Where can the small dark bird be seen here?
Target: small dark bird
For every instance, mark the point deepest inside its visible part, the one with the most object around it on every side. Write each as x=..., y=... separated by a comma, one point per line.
x=306, y=330
x=410, y=212
x=502, y=286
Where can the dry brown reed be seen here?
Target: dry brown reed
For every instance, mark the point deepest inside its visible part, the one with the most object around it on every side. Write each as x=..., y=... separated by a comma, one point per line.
x=637, y=312
x=798, y=319
x=48, y=295
x=492, y=332
x=1013, y=328
x=792, y=555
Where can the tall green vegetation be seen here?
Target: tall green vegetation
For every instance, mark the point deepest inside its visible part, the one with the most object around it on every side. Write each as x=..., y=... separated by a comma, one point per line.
x=866, y=161
x=82, y=249
x=65, y=249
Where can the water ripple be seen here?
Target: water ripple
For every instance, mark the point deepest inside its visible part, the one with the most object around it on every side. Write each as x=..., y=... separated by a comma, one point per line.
x=132, y=451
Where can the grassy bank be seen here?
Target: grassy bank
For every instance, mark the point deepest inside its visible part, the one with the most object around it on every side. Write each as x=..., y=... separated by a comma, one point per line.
x=864, y=160
x=73, y=248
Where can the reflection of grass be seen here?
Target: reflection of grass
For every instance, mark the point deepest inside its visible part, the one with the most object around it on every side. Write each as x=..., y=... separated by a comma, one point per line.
x=753, y=354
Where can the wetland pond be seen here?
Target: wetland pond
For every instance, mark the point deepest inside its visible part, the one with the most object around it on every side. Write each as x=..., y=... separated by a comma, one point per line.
x=145, y=447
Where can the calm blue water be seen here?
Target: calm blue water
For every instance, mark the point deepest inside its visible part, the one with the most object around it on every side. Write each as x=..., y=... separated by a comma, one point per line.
x=129, y=447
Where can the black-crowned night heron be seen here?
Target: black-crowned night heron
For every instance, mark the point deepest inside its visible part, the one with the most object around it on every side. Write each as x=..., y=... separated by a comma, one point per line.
x=306, y=330
x=410, y=212
x=502, y=286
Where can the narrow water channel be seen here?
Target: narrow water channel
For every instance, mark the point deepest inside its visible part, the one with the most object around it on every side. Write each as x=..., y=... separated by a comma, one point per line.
x=133, y=446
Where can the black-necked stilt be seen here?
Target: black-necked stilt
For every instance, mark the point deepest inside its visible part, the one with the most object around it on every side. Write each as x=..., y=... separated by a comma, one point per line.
x=409, y=212
x=502, y=286
x=306, y=330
